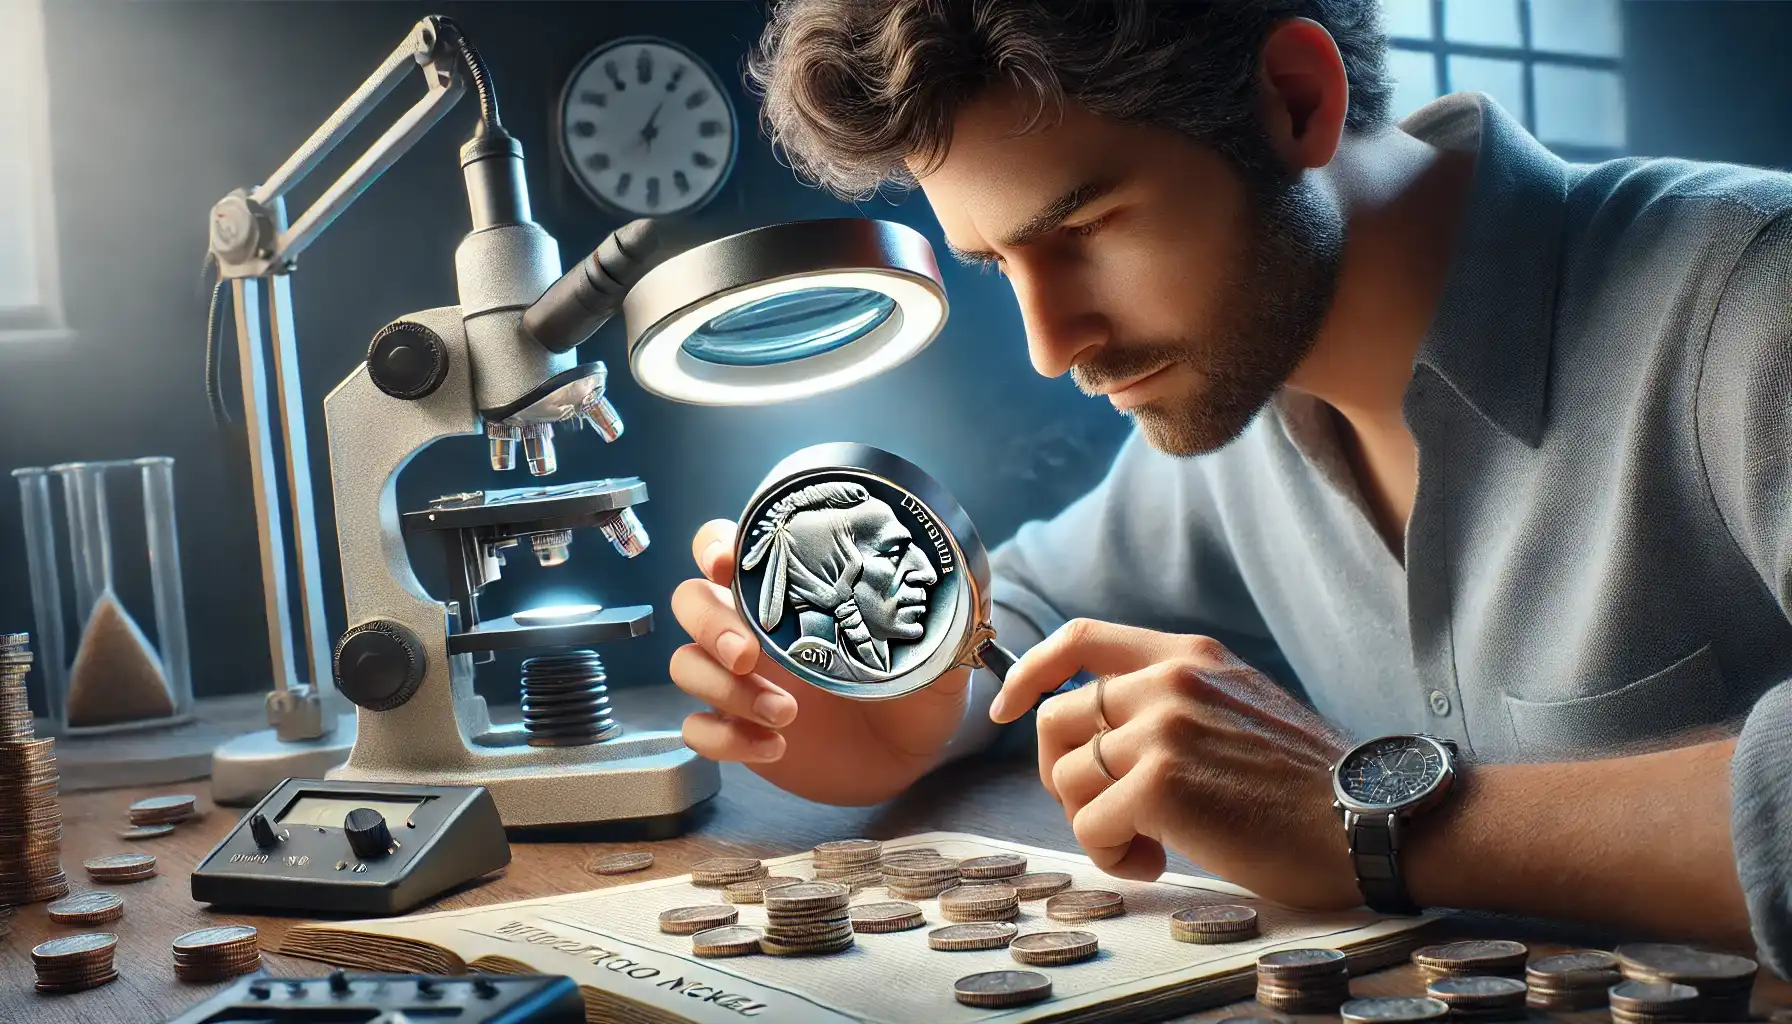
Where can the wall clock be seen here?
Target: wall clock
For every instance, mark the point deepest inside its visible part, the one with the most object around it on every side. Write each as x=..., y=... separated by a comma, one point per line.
x=647, y=128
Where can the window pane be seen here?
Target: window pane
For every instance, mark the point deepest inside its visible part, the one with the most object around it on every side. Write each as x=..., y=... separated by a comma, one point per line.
x=1501, y=79
x=1576, y=26
x=1411, y=18
x=1580, y=106
x=1415, y=79
x=1489, y=22
x=19, y=37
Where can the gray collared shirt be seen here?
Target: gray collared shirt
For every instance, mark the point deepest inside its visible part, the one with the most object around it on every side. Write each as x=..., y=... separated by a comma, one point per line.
x=1599, y=555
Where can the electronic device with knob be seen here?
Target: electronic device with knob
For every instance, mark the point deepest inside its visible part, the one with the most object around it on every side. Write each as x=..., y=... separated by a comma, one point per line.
x=353, y=848
x=342, y=998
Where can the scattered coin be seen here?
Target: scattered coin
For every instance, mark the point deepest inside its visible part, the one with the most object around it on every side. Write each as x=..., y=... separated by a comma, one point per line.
x=74, y=962
x=996, y=865
x=992, y=989
x=1471, y=957
x=1650, y=1002
x=753, y=889
x=982, y=935
x=1385, y=1010
x=691, y=920
x=1208, y=925
x=1053, y=949
x=87, y=908
x=1084, y=905
x=620, y=862
x=159, y=810
x=1571, y=981
x=849, y=851
x=1484, y=997
x=885, y=917
x=1303, y=981
x=120, y=867
x=1039, y=884
x=214, y=954
x=717, y=872
x=729, y=940
x=137, y=832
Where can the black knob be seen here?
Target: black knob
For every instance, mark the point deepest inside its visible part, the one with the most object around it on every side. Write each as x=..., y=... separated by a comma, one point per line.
x=379, y=665
x=407, y=360
x=367, y=834
x=484, y=988
x=338, y=982
x=262, y=831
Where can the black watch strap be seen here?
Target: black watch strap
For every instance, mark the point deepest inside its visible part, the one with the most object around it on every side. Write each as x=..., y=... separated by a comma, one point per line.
x=1375, y=854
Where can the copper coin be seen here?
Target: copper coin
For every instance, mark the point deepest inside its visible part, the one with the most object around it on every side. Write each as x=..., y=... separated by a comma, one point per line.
x=993, y=989
x=1709, y=972
x=74, y=948
x=980, y=896
x=886, y=917
x=226, y=936
x=1051, y=949
x=983, y=935
x=620, y=863
x=1085, y=905
x=996, y=865
x=1480, y=955
x=87, y=908
x=1475, y=992
x=1294, y=964
x=119, y=863
x=728, y=940
x=1037, y=884
x=145, y=832
x=806, y=896
x=690, y=920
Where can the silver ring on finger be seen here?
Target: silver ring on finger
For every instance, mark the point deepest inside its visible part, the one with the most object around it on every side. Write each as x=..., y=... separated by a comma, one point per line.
x=1100, y=765
x=1101, y=715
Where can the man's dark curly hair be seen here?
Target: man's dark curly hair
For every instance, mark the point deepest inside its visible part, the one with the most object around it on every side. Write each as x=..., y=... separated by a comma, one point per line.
x=855, y=89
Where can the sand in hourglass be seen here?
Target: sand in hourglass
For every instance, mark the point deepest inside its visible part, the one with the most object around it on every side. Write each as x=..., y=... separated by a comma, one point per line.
x=117, y=676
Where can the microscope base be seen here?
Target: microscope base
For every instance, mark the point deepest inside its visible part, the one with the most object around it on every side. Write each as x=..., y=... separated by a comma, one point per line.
x=634, y=776
x=244, y=769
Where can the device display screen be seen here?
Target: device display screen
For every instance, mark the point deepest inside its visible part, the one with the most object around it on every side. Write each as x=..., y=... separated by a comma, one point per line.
x=329, y=811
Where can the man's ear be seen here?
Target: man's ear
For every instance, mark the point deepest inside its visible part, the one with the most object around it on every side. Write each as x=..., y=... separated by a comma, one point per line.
x=1305, y=93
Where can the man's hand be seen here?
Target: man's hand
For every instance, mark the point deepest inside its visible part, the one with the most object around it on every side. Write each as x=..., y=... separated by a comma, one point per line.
x=1214, y=760
x=804, y=739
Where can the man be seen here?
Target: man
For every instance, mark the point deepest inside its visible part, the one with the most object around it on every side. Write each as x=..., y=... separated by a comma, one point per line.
x=1468, y=441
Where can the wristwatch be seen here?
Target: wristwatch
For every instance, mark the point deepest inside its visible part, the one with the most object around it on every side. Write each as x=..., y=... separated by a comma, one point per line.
x=1377, y=786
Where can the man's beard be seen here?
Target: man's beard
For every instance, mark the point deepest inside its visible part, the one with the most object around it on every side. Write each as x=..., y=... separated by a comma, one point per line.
x=1271, y=308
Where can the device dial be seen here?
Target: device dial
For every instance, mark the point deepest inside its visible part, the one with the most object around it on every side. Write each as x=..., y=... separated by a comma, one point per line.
x=379, y=665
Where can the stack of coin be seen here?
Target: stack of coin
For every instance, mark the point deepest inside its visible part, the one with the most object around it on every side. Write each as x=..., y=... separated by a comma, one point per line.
x=805, y=918
x=993, y=989
x=75, y=962
x=753, y=889
x=997, y=865
x=118, y=868
x=214, y=954
x=982, y=935
x=85, y=909
x=1085, y=905
x=1486, y=997
x=1571, y=981
x=1303, y=981
x=691, y=920
x=1724, y=982
x=162, y=810
x=919, y=876
x=717, y=872
x=1213, y=925
x=1387, y=1010
x=1037, y=885
x=30, y=817
x=891, y=916
x=1655, y=1002
x=1053, y=949
x=1471, y=958
x=854, y=863
x=988, y=902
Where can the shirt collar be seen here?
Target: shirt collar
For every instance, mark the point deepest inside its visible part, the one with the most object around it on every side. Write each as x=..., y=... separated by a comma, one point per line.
x=1491, y=335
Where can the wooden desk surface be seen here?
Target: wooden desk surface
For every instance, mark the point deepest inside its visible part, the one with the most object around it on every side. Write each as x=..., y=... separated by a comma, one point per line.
x=749, y=817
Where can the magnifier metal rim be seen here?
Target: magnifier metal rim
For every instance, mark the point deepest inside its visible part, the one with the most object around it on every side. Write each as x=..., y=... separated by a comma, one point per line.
x=892, y=259
x=966, y=544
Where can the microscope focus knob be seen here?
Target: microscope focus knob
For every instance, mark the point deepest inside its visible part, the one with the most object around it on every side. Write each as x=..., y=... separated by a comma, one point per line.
x=379, y=665
x=407, y=360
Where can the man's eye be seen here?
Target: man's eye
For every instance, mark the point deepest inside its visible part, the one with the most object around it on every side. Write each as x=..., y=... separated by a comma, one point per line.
x=1085, y=230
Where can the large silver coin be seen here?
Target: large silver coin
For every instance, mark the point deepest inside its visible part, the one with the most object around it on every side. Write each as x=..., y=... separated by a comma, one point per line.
x=860, y=574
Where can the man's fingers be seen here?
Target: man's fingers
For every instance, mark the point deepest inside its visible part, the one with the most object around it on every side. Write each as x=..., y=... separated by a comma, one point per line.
x=1103, y=648
x=706, y=611
x=741, y=696
x=1104, y=827
x=1144, y=860
x=713, y=548
x=1076, y=780
x=731, y=739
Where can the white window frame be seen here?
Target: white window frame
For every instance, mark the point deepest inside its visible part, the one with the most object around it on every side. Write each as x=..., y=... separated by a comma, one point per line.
x=1441, y=49
x=43, y=320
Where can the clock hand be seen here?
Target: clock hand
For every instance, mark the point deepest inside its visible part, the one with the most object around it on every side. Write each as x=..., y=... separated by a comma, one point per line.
x=648, y=131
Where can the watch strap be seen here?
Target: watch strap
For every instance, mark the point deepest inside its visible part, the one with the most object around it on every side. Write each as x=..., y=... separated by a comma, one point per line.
x=1375, y=856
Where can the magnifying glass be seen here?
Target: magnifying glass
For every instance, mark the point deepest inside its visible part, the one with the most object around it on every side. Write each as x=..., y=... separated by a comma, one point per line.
x=862, y=576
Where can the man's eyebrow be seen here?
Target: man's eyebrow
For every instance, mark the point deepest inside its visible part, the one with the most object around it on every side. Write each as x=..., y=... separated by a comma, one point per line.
x=1045, y=221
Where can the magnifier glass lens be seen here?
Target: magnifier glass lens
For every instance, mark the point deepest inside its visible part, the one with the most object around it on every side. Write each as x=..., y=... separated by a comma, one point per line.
x=794, y=325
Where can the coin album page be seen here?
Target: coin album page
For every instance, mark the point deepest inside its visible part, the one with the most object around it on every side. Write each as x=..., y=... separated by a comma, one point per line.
x=609, y=942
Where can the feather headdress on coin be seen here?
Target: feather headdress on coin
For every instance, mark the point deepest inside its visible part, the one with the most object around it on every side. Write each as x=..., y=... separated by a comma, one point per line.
x=774, y=543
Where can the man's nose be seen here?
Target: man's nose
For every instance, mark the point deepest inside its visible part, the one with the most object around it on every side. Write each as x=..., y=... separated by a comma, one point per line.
x=919, y=571
x=1061, y=329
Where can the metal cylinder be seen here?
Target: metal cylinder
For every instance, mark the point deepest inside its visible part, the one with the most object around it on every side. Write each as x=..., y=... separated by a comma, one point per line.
x=625, y=531
x=538, y=448
x=552, y=549
x=565, y=700
x=503, y=438
x=602, y=416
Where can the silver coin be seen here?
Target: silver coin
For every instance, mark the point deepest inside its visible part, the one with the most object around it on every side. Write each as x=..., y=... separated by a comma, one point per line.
x=858, y=572
x=1477, y=987
x=1683, y=963
x=1383, y=1010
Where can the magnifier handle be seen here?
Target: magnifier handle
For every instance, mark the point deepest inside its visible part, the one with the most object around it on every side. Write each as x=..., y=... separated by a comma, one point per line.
x=996, y=658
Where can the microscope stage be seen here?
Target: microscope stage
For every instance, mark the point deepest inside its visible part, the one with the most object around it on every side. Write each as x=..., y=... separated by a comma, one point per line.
x=567, y=506
x=505, y=634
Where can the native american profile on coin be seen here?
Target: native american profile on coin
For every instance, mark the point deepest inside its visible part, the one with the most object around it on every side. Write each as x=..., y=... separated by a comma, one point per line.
x=841, y=562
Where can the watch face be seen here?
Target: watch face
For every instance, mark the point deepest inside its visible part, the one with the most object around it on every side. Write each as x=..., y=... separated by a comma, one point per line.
x=1391, y=771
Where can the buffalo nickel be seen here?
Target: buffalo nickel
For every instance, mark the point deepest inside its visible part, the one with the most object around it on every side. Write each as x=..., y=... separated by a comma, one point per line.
x=1388, y=1010
x=993, y=989
x=620, y=862
x=890, y=916
x=691, y=920
x=1053, y=949
x=1208, y=925
x=729, y=940
x=995, y=865
x=981, y=935
x=1084, y=905
x=1039, y=884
